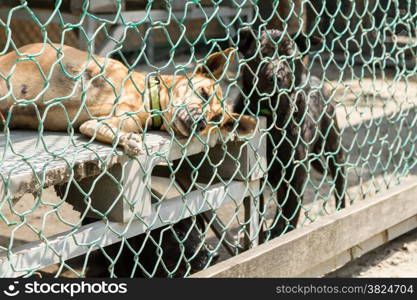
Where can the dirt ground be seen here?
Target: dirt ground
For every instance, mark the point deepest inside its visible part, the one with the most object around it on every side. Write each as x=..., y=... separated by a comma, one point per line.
x=397, y=258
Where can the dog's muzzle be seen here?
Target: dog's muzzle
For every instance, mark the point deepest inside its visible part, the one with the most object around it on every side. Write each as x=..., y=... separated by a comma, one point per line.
x=193, y=121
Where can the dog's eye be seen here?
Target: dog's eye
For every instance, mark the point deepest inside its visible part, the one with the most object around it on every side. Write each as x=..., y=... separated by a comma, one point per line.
x=216, y=118
x=204, y=94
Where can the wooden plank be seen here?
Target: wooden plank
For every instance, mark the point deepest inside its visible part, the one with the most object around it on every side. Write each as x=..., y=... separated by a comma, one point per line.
x=240, y=160
x=73, y=243
x=332, y=264
x=121, y=192
x=96, y=6
x=294, y=253
x=116, y=34
x=43, y=15
x=85, y=36
x=401, y=228
x=143, y=16
x=283, y=15
x=362, y=248
x=56, y=157
x=221, y=232
x=251, y=207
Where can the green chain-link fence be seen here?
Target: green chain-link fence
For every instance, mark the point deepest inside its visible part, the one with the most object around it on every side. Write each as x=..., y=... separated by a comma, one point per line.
x=329, y=85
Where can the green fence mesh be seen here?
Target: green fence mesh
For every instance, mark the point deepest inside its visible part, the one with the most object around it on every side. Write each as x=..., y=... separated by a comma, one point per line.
x=311, y=108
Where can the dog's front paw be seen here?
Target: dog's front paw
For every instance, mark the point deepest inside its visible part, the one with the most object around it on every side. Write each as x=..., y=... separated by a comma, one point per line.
x=131, y=144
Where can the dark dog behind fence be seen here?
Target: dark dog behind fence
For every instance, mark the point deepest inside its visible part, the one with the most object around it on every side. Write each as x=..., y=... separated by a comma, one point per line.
x=301, y=119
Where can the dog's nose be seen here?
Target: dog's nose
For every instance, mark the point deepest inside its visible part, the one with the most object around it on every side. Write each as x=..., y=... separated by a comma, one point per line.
x=201, y=125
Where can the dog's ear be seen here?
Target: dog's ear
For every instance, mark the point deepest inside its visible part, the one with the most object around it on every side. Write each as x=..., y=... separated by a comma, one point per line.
x=241, y=124
x=245, y=43
x=306, y=44
x=215, y=64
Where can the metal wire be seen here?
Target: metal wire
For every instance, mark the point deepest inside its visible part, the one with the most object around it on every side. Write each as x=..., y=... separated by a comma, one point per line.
x=365, y=62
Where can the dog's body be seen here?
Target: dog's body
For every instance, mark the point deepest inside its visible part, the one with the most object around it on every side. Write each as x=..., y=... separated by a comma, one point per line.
x=301, y=121
x=63, y=87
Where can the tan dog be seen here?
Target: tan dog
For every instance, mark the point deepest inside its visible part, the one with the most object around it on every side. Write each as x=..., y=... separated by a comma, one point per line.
x=62, y=87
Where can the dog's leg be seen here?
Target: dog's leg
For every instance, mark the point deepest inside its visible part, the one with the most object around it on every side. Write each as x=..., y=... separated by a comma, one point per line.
x=336, y=164
x=336, y=167
x=334, y=154
x=290, y=195
x=107, y=130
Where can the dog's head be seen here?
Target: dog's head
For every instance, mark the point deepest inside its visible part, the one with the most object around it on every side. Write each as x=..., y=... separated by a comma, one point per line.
x=196, y=101
x=275, y=57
